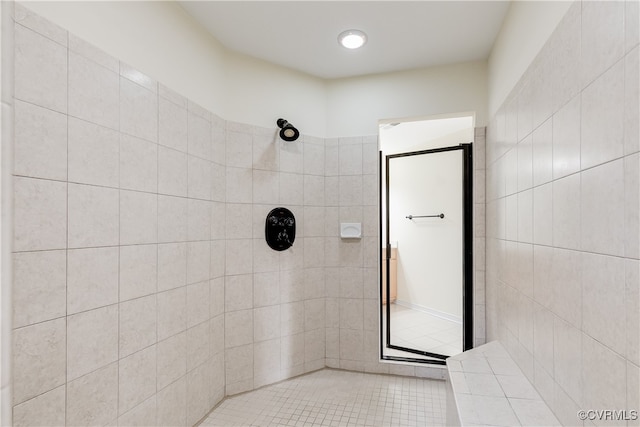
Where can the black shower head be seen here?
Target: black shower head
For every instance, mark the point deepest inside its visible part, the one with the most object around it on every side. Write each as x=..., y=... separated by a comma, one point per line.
x=287, y=132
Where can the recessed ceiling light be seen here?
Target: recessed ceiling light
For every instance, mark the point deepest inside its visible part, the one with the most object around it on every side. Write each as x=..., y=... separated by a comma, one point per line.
x=352, y=39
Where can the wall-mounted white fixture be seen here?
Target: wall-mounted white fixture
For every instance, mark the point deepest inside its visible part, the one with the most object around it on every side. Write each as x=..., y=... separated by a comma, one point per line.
x=352, y=39
x=351, y=230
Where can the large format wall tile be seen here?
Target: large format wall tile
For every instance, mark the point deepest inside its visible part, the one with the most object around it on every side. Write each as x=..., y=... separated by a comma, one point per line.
x=631, y=99
x=92, y=278
x=171, y=360
x=40, y=214
x=138, y=320
x=137, y=378
x=93, y=92
x=92, y=340
x=172, y=219
x=138, y=273
x=603, y=305
x=172, y=125
x=172, y=172
x=199, y=125
x=138, y=218
x=172, y=266
x=172, y=404
x=138, y=164
x=93, y=216
x=602, y=37
x=46, y=409
x=542, y=153
x=172, y=315
x=91, y=52
x=93, y=398
x=602, y=118
x=40, y=287
x=93, y=154
x=603, y=209
x=40, y=70
x=138, y=111
x=39, y=359
x=40, y=142
x=566, y=139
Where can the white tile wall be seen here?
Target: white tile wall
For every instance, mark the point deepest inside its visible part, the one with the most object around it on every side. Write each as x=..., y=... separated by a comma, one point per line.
x=41, y=70
x=92, y=216
x=93, y=398
x=585, y=218
x=93, y=92
x=122, y=332
x=41, y=142
x=92, y=340
x=136, y=379
x=40, y=280
x=39, y=358
x=92, y=278
x=47, y=408
x=40, y=211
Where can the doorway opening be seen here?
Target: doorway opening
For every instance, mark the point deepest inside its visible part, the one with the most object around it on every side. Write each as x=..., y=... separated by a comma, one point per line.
x=426, y=238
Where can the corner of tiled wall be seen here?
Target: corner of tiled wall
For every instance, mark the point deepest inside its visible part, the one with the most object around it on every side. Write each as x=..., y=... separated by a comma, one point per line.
x=351, y=279
x=562, y=214
x=274, y=301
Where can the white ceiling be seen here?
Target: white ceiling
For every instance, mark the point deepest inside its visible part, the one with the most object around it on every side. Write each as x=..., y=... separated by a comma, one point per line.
x=402, y=35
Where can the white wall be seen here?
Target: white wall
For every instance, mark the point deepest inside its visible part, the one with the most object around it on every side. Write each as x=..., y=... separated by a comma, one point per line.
x=248, y=90
x=173, y=49
x=356, y=104
x=259, y=93
x=170, y=47
x=429, y=249
x=525, y=30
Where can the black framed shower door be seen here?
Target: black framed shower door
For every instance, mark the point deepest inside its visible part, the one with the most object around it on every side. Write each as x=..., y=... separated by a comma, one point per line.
x=422, y=356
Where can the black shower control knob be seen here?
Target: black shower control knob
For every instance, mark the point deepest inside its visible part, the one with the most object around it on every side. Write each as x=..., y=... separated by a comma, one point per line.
x=280, y=229
x=283, y=236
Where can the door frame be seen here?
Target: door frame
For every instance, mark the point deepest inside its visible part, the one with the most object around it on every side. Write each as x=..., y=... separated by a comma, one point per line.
x=467, y=256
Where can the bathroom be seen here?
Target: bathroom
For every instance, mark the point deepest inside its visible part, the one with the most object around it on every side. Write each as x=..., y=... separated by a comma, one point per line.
x=141, y=156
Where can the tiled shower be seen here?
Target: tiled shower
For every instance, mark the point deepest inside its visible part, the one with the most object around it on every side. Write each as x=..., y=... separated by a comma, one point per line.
x=144, y=291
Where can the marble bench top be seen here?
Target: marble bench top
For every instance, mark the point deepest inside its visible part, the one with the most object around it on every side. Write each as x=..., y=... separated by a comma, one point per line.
x=488, y=388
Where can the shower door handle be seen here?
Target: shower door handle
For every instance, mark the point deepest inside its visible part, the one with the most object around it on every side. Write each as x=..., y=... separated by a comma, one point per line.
x=425, y=216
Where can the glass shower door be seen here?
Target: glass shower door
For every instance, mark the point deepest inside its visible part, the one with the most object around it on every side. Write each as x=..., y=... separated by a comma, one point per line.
x=426, y=254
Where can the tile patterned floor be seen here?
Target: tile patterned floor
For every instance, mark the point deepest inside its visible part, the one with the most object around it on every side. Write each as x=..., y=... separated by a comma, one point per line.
x=337, y=398
x=423, y=331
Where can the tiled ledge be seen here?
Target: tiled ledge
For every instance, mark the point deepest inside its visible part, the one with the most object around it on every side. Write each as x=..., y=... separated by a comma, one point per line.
x=486, y=387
